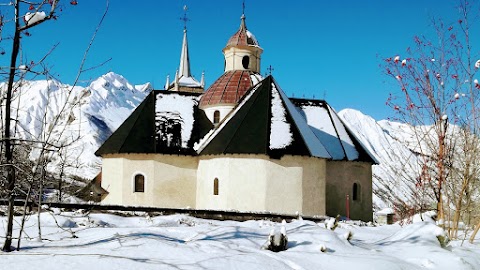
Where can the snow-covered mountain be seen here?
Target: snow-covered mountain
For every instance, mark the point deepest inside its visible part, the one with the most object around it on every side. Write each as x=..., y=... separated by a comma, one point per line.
x=79, y=118
x=88, y=115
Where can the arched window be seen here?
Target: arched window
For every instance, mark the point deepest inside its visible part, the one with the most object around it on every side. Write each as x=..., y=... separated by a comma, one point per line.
x=139, y=183
x=216, y=117
x=215, y=186
x=356, y=192
x=245, y=61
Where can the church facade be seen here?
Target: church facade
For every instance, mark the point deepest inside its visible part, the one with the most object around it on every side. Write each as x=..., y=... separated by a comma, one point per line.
x=240, y=145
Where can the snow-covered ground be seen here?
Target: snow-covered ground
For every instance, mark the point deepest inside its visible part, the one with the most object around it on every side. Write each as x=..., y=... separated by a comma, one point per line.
x=105, y=241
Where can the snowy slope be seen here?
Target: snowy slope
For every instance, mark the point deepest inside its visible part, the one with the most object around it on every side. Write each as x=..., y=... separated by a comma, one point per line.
x=398, y=166
x=105, y=241
x=80, y=117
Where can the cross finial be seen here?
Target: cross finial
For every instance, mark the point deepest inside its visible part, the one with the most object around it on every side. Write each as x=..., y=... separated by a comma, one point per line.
x=185, y=18
x=270, y=69
x=243, y=7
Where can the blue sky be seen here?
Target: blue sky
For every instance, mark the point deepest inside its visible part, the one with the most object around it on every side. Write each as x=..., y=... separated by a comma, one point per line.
x=317, y=48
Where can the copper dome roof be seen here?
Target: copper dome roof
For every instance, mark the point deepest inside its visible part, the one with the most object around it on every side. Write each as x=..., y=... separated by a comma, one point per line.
x=230, y=87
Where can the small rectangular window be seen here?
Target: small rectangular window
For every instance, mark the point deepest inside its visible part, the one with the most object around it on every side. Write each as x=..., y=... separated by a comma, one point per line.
x=215, y=186
x=216, y=117
x=139, y=183
x=356, y=192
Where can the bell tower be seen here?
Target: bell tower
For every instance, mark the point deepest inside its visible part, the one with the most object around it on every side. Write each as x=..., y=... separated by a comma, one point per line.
x=241, y=72
x=242, y=51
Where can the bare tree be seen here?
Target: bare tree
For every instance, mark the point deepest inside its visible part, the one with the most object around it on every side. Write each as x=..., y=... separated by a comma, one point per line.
x=438, y=98
x=55, y=134
x=37, y=18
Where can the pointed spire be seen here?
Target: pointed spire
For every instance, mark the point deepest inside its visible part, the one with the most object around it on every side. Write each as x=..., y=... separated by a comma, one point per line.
x=243, y=26
x=202, y=81
x=184, y=57
x=167, y=83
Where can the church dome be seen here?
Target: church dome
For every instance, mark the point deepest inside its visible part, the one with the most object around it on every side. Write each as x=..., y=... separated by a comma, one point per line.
x=242, y=37
x=242, y=71
x=229, y=88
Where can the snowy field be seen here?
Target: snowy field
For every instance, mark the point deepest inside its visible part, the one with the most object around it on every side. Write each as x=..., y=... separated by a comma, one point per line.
x=106, y=241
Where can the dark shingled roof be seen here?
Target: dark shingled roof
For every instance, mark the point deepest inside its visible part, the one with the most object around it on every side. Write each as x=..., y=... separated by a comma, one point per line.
x=242, y=37
x=137, y=134
x=343, y=146
x=313, y=128
x=248, y=130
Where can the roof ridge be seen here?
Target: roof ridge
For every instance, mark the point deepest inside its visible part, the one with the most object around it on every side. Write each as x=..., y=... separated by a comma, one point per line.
x=205, y=141
x=336, y=132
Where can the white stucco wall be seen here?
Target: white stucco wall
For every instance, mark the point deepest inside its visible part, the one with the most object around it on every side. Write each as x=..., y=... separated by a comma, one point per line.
x=257, y=183
x=112, y=173
x=246, y=182
x=170, y=180
x=306, y=176
x=224, y=109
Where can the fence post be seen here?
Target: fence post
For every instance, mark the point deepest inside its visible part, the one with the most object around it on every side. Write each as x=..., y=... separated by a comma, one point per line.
x=348, y=207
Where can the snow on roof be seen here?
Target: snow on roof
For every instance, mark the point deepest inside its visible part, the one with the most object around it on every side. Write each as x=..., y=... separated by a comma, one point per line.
x=179, y=109
x=280, y=131
x=330, y=130
x=252, y=37
x=316, y=148
x=319, y=121
x=386, y=211
x=345, y=140
x=256, y=78
x=188, y=82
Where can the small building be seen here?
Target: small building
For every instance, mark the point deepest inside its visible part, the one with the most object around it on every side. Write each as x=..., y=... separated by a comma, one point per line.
x=241, y=145
x=385, y=216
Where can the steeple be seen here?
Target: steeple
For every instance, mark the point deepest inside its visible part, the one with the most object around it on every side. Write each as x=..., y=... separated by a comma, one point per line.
x=242, y=51
x=184, y=69
x=184, y=81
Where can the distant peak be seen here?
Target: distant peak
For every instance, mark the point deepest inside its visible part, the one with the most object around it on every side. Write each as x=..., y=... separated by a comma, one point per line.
x=112, y=75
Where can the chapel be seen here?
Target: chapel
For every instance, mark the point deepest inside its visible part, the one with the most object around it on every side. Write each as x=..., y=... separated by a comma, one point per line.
x=240, y=145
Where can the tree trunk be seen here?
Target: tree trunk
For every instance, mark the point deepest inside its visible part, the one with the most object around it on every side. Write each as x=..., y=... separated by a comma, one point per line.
x=475, y=232
x=441, y=173
x=10, y=169
x=40, y=195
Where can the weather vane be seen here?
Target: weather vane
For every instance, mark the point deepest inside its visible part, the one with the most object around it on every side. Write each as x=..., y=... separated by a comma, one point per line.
x=185, y=18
